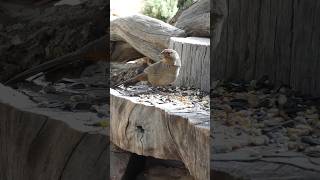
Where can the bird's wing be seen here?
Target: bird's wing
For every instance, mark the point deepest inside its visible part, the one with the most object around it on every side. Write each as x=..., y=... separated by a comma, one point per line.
x=153, y=68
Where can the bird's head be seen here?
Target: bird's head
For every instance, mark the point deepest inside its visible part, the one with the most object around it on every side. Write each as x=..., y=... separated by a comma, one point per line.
x=171, y=56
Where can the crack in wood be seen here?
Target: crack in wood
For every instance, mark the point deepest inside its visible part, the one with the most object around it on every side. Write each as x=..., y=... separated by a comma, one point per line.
x=71, y=154
x=100, y=154
x=168, y=118
x=128, y=122
x=40, y=130
x=142, y=149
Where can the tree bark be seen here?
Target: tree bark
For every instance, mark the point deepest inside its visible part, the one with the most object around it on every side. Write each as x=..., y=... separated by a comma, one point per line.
x=195, y=59
x=279, y=39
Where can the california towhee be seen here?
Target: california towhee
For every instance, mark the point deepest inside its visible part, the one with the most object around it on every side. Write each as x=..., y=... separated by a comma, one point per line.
x=161, y=73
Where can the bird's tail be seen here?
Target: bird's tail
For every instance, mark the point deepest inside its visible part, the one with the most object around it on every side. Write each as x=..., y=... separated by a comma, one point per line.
x=133, y=81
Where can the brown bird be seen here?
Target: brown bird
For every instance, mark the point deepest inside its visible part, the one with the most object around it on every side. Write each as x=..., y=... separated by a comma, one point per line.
x=161, y=73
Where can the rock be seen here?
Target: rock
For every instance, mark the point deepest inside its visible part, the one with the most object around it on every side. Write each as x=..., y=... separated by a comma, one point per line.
x=76, y=98
x=16, y=40
x=222, y=147
x=259, y=140
x=273, y=112
x=310, y=140
x=292, y=145
x=102, y=110
x=274, y=121
x=239, y=104
x=267, y=103
x=49, y=89
x=312, y=116
x=256, y=132
x=15, y=27
x=253, y=100
x=313, y=151
x=82, y=106
x=301, y=119
x=300, y=130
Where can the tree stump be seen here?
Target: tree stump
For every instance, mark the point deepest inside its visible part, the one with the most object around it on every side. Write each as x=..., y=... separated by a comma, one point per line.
x=195, y=58
x=142, y=125
x=32, y=138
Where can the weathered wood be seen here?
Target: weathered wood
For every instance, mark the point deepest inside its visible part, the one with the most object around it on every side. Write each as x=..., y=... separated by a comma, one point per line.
x=195, y=59
x=94, y=51
x=38, y=143
x=147, y=35
x=162, y=131
x=195, y=20
x=122, y=52
x=275, y=38
x=218, y=14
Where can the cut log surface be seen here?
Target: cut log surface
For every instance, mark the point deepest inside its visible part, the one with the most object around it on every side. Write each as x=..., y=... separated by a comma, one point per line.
x=147, y=35
x=161, y=130
x=195, y=58
x=40, y=143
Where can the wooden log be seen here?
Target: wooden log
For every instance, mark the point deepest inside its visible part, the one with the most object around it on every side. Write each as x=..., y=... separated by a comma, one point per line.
x=163, y=131
x=195, y=20
x=268, y=38
x=122, y=52
x=218, y=15
x=195, y=59
x=147, y=35
x=32, y=138
x=94, y=51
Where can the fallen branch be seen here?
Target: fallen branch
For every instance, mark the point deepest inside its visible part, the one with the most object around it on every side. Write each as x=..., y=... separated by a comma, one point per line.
x=94, y=51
